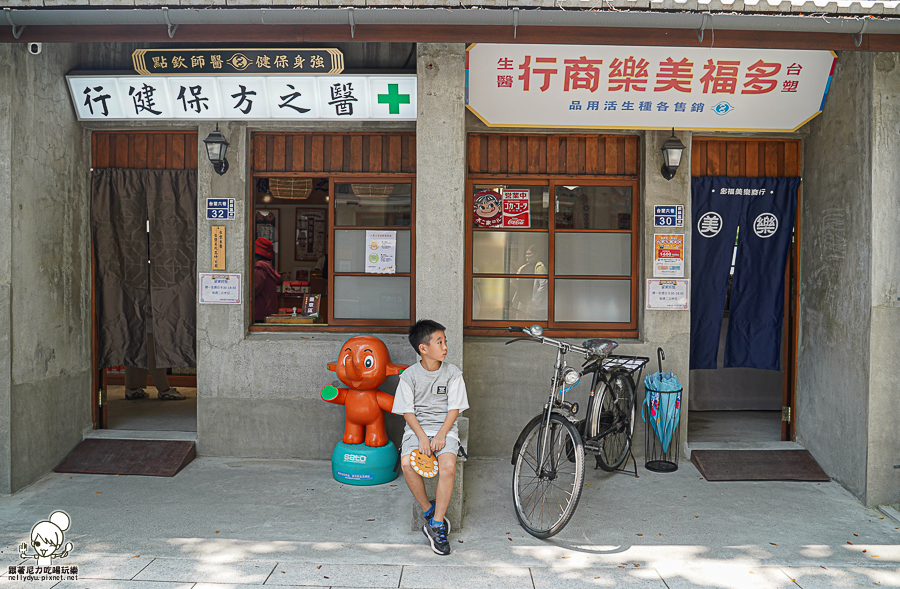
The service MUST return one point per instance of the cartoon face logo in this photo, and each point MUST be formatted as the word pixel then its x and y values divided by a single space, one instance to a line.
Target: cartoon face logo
pixel 47 539
pixel 765 225
pixel 709 224
pixel 488 211
pixel 364 363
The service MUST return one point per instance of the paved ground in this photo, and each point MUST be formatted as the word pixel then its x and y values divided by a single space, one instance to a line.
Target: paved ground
pixel 228 523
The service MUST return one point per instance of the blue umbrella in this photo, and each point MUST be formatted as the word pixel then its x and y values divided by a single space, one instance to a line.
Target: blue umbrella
pixel 664 409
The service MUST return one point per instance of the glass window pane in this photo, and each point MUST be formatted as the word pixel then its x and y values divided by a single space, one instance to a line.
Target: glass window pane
pixel 593 254
pixel 509 252
pixel 597 301
pixel 515 299
pixel 350 251
pixel 370 204
pixel 371 297
pixel 593 207
pixel 489 207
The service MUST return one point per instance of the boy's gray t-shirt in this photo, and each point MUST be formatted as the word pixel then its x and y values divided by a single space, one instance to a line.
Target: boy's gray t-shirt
pixel 430 396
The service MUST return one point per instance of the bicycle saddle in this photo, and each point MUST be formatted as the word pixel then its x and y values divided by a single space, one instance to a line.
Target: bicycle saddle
pixel 600 347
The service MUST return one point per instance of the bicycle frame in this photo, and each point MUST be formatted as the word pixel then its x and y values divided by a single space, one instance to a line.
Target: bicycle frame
pixel 556 402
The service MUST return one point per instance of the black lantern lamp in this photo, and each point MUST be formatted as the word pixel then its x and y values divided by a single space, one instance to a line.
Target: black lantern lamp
pixel 216 146
pixel 671 153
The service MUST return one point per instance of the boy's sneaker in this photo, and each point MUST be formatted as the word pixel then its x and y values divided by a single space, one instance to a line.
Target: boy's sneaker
pixel 437 535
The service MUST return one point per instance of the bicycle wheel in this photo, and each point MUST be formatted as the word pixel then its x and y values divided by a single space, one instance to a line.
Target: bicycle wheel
pixel 546 495
pixel 615 409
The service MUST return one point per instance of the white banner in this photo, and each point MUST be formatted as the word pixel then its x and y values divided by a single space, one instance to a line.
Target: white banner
pixel 620 87
pixel 381 252
pixel 383 98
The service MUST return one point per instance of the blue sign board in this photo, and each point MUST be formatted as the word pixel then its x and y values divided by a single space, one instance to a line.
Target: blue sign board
pixel 220 208
pixel 668 216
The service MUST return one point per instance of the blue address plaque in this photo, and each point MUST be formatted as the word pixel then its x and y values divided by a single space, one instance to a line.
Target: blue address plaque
pixel 668 216
pixel 220 208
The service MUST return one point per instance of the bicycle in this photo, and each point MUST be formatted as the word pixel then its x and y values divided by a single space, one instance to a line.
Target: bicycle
pixel 549 454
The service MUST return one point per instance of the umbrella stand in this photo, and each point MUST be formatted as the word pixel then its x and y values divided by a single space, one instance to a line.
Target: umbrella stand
pixel 657 458
pixel 662 437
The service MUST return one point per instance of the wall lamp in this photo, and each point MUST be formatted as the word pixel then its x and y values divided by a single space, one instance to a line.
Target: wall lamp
pixel 216 146
pixel 671 153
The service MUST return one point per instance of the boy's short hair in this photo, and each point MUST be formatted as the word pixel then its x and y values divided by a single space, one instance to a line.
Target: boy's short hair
pixel 420 333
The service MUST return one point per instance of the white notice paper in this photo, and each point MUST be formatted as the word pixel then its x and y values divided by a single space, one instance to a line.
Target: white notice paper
pixel 381 252
pixel 220 289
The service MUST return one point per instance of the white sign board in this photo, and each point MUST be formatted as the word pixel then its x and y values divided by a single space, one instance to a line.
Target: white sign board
pixel 220 289
pixel 621 87
pixel 381 252
pixel 376 97
pixel 671 295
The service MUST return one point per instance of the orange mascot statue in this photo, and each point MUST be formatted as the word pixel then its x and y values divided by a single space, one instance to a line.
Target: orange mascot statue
pixel 364 456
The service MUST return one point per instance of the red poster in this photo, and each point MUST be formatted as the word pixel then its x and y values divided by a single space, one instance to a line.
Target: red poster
pixel 516 208
pixel 487 209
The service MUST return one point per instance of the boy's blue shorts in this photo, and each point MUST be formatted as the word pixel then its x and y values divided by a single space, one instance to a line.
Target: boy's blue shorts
pixel 411 442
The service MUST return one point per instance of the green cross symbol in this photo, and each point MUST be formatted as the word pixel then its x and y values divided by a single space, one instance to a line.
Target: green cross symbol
pixel 393 99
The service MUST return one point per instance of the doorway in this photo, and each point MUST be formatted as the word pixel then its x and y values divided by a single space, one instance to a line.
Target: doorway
pixel 144 212
pixel 748 406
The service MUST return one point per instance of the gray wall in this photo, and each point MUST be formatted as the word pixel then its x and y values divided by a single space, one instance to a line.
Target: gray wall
pixel 509 384
pixel 882 479
pixel 259 393
pixel 45 334
pixel 847 412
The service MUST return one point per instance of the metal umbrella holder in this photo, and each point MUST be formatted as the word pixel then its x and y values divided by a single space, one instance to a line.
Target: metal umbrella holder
pixel 662 408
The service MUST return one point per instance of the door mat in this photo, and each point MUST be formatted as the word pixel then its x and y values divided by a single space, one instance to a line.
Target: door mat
pixel 757 465
pixel 162 458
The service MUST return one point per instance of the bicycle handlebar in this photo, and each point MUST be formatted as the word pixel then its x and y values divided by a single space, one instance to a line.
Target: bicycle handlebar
pixel 550 341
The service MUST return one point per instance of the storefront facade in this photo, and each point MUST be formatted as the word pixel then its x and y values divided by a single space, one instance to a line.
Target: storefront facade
pixel 258 386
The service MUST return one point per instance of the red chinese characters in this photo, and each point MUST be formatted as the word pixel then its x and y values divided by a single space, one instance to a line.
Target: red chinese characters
pixel 628 74
pixel 722 75
pixel 674 75
pixel 527 70
pixel 761 78
pixel 582 73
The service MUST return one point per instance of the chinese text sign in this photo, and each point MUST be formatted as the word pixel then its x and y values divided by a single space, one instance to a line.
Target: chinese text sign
pixel 624 87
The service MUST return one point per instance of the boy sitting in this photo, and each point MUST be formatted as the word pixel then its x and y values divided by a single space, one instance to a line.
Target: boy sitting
pixel 430 396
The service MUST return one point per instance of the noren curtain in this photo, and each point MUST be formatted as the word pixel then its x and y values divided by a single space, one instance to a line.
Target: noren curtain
pixel 131 292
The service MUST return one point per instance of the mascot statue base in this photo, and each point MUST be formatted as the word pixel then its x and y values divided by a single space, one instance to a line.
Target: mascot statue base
pixel 358 464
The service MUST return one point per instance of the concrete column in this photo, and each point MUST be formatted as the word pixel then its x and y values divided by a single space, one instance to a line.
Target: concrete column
pixel 221 327
pixel 6 223
pixel 832 406
pixel 883 449
pixel 440 189
pixel 670 330
pixel 45 359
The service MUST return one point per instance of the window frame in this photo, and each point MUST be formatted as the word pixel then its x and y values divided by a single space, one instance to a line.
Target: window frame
pixel 346 325
pixel 551 326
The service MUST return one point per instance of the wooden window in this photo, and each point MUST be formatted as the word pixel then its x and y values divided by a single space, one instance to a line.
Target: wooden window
pixel 570 264
pixel 359 183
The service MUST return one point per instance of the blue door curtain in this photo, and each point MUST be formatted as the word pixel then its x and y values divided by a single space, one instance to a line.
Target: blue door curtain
pixel 764 210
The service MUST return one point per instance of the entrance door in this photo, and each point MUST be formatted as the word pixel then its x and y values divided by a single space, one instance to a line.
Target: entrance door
pixel 746 404
pixel 144 215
